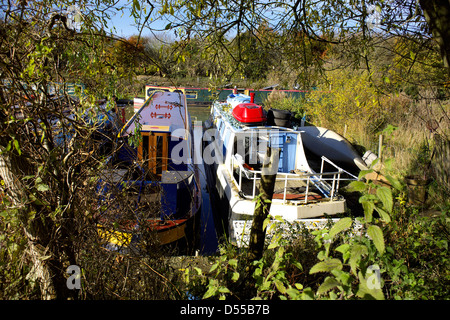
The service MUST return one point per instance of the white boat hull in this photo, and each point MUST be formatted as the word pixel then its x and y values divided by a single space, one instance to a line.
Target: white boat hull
pixel 241 210
pixel 303 196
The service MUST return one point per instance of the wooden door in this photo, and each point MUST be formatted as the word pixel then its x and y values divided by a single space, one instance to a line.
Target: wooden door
pixel 154 150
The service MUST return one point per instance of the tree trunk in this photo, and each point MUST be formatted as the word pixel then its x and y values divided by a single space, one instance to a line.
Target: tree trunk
pixel 257 232
pixel 437 14
pixel 11 173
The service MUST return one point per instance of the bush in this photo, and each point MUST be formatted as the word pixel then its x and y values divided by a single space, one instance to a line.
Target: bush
pixel 397 254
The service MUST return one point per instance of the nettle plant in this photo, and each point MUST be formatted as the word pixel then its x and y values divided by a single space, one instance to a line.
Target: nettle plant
pixel 350 252
pixel 352 249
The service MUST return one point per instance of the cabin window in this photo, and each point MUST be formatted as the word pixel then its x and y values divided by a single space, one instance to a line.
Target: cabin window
pixel 191 94
pixel 150 90
pixel 250 150
pixel 246 145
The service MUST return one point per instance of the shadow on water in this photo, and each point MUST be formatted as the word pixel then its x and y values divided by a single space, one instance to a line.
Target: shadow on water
pixel 208 235
pixel 209 239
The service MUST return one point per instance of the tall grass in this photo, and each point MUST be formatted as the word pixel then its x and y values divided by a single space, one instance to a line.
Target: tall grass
pixel 415 129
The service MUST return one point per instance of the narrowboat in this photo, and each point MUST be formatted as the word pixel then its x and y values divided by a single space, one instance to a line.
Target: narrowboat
pixel 240 132
pixel 152 179
pixel 197 97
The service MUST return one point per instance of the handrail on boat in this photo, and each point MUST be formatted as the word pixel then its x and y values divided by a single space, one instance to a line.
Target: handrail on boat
pixel 325 159
pixel 317 179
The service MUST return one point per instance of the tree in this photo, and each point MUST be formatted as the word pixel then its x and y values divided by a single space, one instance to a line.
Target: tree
pixel 437 15
pixel 48 157
pixel 48 153
pixel 357 27
pixel 128 54
pixel 262 209
pixel 355 24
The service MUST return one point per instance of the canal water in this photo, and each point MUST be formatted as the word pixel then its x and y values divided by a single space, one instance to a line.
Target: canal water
pixel 209 231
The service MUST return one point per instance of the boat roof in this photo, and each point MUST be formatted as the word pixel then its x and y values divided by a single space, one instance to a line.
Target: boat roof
pixel 227 117
pixel 162 112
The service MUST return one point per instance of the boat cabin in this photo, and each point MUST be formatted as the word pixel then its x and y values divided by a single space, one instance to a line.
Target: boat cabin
pixel 157 176
pixel 164 126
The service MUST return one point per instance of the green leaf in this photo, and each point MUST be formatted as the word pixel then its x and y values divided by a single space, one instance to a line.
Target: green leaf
pixel 224 290
pixel 327 285
pixel 42 187
pixel 233 262
pixel 342 276
pixel 340 226
pixel 385 195
pixel 266 222
pixel 265 285
pixel 326 266
pixel 394 183
pixel 343 248
pixel 235 276
pixel 322 255
pixel 211 292
pixel 199 271
pixel 212 288
pixel 16 146
pixel 375 233
pixel 280 286
pixel 297 264
pixel 357 251
pixel 368 207
pixel 294 294
pixel 367 293
pixel 299 286
pixel 8 147
pixel 307 294
pixel 136 5
pixel 214 267
pixel 363 173
pixel 357 186
pixel 384 215
pixel 273 245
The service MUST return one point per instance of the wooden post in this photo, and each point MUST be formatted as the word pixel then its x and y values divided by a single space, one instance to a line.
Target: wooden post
pixel 380 146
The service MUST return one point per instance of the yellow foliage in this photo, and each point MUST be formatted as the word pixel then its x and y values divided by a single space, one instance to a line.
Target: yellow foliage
pixel 347 96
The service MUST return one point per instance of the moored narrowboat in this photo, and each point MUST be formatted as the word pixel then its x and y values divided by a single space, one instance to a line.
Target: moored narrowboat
pixel 152 179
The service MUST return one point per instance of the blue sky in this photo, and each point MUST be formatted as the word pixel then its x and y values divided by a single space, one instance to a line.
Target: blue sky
pixel 125 24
